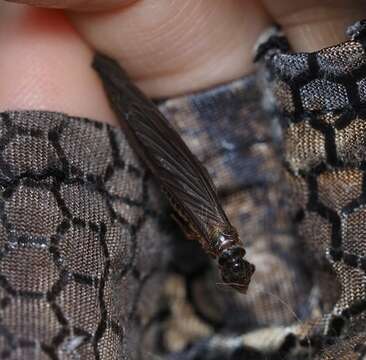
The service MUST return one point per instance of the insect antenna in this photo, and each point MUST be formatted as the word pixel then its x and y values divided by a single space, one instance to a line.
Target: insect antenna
pixel 285 304
pixel 277 297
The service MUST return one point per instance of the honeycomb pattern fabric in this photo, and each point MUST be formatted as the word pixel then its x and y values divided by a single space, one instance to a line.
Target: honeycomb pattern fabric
pixel 320 101
pixel 80 244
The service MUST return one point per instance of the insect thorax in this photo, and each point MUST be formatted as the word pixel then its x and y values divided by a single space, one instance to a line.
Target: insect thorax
pixel 224 238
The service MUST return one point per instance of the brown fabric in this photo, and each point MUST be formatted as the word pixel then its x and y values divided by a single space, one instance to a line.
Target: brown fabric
pixel 80 241
pixel 320 98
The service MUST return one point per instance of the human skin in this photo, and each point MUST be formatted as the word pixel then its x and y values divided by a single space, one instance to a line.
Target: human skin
pixel 168 47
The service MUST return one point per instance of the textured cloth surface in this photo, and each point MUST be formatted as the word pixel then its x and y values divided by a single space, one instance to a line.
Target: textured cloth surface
pixel 320 100
pixel 92 267
pixel 80 240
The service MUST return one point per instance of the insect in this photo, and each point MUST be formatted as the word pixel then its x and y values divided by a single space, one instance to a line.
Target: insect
pixel 181 176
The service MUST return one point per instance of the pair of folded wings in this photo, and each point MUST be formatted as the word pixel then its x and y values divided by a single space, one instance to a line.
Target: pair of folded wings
pixel 161 148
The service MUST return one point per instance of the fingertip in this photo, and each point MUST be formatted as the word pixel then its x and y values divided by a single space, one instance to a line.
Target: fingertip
pixel 44 65
pixel 314 24
pixel 171 48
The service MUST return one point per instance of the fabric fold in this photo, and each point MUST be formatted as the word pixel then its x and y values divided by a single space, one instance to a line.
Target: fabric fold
pixel 319 99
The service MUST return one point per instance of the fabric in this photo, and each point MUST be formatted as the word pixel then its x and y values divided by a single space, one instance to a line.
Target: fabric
pixel 80 240
pixel 320 100
pixel 93 267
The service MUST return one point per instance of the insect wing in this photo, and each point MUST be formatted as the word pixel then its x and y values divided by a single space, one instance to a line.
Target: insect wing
pixel 179 172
